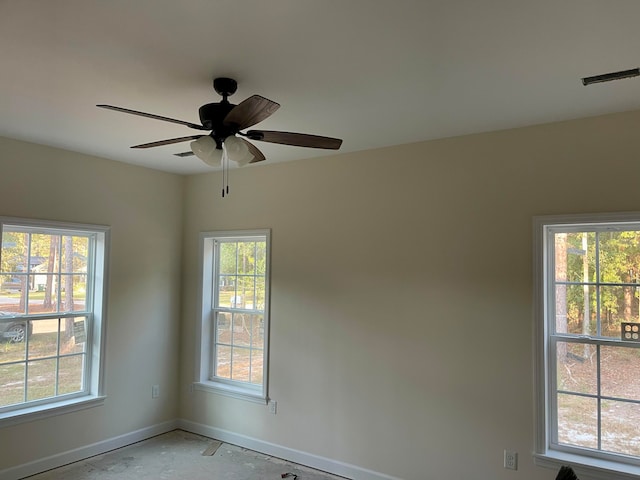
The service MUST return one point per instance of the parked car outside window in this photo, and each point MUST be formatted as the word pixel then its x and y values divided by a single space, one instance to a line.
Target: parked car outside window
pixel 12 329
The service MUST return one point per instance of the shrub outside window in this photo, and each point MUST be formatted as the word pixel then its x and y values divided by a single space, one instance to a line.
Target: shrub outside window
pixel 51 315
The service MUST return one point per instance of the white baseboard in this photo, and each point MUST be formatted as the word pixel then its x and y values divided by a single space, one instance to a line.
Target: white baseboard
pixel 64 458
pixel 292 455
pixel 289 454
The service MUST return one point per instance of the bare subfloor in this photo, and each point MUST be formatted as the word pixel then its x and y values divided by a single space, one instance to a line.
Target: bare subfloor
pixel 179 455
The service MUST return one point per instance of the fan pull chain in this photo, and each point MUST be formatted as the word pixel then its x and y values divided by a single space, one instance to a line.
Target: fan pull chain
pixel 225 172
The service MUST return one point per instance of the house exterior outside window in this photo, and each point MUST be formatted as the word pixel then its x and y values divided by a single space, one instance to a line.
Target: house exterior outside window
pixel 52 317
pixel 587 318
pixel 234 321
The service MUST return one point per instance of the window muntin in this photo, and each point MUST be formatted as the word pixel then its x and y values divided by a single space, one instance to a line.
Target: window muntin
pixel 234 337
pixel 51 300
pixel 591 284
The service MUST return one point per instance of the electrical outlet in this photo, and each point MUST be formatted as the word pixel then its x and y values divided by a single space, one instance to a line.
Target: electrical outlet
pixel 510 460
pixel 273 406
pixel 155 391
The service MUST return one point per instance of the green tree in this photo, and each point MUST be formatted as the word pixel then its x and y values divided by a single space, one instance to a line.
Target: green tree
pixel 51 263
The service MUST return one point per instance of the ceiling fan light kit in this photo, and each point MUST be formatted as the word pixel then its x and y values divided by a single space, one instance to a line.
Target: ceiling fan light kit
pixel 237 150
pixel 205 149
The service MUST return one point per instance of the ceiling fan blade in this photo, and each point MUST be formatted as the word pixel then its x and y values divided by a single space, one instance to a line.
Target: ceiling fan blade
pixel 295 139
pixel 150 115
pixel 168 142
pixel 250 111
pixel 258 156
pixel 184 154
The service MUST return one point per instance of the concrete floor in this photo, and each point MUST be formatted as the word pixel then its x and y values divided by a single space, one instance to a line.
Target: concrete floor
pixel 179 455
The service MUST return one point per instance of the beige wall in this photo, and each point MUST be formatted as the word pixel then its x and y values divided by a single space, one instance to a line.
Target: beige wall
pixel 143 208
pixel 401 301
pixel 401 291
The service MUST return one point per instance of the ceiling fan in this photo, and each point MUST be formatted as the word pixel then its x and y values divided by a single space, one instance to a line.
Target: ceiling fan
pixel 225 121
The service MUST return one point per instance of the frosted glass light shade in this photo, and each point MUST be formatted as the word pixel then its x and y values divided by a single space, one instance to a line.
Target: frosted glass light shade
pixel 237 150
pixel 205 149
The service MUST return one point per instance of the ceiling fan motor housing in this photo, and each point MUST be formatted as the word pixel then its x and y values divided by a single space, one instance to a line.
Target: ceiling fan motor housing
pixel 212 118
pixel 212 115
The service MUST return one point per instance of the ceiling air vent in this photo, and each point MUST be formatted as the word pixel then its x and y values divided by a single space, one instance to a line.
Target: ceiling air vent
pixel 608 77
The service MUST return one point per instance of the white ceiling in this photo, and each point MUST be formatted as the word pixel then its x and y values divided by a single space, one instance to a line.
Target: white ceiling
pixel 375 73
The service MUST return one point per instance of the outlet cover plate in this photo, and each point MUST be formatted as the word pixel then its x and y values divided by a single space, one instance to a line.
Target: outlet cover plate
pixel 510 460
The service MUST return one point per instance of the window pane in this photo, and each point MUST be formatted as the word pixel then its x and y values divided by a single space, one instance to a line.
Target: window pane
pixel 13 330
pixel 43 248
pixel 15 248
pixel 66 329
pixel 228 257
pixel 226 291
pixel 237 300
pixel 619 372
pixel 619 259
pixel 40 301
pixel 11 351
pixel 620 422
pixel 74 254
pixel 241 357
pixel 70 374
pixel 575 256
pixel 41 379
pixel 74 291
pixel 224 328
pixel 261 257
pixel 257 331
pixel 78 343
pixel 246 257
pixel 13 294
pixel 241 330
pixel 13 283
pixel 46 294
pixel 577 421
pixel 260 294
pixel 571 305
pixel 43 343
pixel 257 366
pixel 223 361
pixel 42 282
pixel 80 254
pixel 576 367
pixel 11 384
pixel 246 290
pixel 615 307
pixel 49 325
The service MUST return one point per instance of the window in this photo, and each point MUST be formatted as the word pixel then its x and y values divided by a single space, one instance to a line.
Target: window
pixel 52 280
pixel 588 343
pixel 235 314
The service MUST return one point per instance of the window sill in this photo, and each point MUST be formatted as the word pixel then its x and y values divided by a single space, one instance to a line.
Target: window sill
pixel 231 391
pixel 588 468
pixel 49 410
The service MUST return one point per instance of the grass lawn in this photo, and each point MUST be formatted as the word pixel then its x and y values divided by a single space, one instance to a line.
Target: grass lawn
pixel 29 368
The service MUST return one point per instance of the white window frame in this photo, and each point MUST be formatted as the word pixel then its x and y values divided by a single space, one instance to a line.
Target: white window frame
pixel 587 464
pixel 205 334
pixel 94 381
